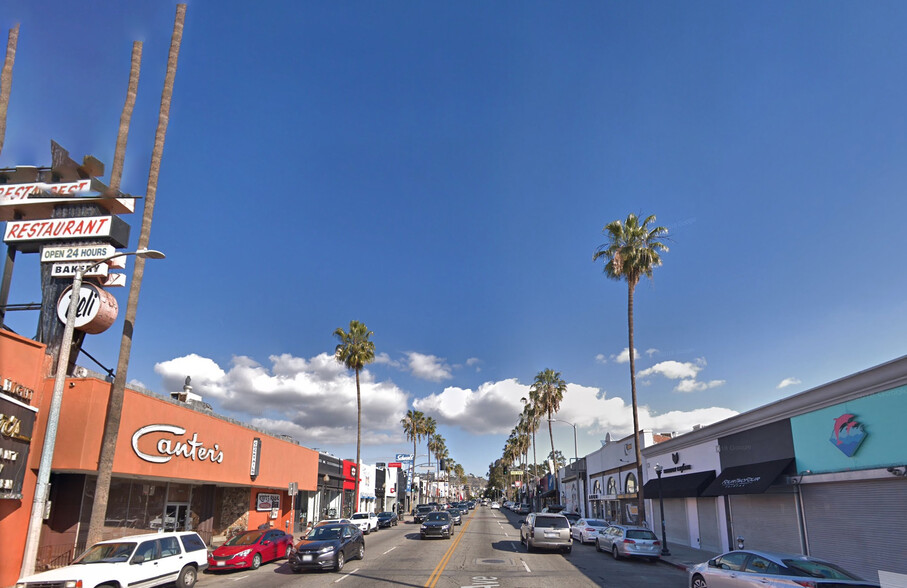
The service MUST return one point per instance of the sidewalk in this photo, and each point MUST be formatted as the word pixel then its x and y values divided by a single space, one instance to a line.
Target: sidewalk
pixel 683 557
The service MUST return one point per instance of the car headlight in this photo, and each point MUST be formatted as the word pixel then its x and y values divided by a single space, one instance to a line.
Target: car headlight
pixel 243 553
pixel 424 527
pixel 72 584
pixel 327 549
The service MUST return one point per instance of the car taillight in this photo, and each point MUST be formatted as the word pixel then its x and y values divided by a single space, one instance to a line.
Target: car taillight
pixel 589 529
pixel 656 543
pixel 629 541
pixel 806 583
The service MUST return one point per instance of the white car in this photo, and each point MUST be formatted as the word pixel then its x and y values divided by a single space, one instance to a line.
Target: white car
pixel 366 521
pixel 139 560
pixel 496 504
pixel 586 530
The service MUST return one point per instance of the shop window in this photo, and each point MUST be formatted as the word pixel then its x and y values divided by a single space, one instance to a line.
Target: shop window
pixel 179 492
pixel 612 487
pixel 630 484
pixel 147 504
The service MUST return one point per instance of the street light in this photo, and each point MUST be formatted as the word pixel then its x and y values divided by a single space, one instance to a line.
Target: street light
pixel 53 416
pixel 661 504
pixel 575 452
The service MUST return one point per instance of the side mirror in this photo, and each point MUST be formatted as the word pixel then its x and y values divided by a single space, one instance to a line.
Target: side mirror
pixel 265 542
pixel 137 559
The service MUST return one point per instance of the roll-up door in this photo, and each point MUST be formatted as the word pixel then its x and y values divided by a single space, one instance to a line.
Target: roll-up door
pixel 858 525
pixel 766 521
pixel 677 527
pixel 709 530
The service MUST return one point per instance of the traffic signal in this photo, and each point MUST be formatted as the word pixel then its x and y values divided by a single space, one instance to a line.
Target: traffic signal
pixel 443 464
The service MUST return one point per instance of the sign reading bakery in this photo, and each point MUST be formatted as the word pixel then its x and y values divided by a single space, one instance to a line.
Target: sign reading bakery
pixel 163 443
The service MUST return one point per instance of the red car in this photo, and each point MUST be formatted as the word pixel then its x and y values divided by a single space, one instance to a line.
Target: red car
pixel 250 549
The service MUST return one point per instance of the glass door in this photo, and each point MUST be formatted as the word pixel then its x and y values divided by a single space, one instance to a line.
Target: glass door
pixel 176 515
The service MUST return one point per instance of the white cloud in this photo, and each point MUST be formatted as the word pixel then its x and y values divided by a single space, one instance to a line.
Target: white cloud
pixel 474 362
pixel 788 382
pixel 695 386
pixel 651 352
pixel 493 408
pixel 385 359
pixel 600 358
pixel 624 356
pixel 313 400
pixel 673 370
pixel 428 367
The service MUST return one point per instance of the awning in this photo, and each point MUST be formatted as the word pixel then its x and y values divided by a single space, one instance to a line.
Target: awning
pixel 548 494
pixel 682 486
pixel 754 478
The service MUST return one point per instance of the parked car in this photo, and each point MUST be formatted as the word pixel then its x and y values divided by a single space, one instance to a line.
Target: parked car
pixel 771 570
pixel 333 522
pixel 495 504
pixel 421 512
pixel 546 530
pixel 437 524
pixel 587 529
pixel 456 515
pixel 147 560
pixel 571 516
pixel 366 521
pixel 523 509
pixel 387 519
pixel 251 549
pixel 328 547
pixel 626 541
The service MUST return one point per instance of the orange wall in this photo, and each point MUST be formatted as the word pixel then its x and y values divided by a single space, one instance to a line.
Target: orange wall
pixel 21 360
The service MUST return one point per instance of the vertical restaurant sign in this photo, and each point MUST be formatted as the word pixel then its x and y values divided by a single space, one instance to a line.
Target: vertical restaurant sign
pixel 17 422
pixel 256 458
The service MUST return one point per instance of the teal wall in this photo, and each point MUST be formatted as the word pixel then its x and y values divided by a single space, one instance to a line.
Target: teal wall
pixel 883 417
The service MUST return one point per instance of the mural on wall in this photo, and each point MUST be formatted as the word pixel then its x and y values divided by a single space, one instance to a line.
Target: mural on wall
pixel 847 434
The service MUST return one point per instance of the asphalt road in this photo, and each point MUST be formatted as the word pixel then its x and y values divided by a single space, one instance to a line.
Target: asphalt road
pixel 484 551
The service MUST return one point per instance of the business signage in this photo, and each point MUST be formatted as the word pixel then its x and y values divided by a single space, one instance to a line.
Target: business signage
pixel 112 228
pixel 77 253
pixel 266 502
pixel 166 449
pixel 847 434
pixel 17 422
pixel 256 458
pixel 68 270
pixel 395 464
pixel 403 457
pixel 96 311
pixel 13 192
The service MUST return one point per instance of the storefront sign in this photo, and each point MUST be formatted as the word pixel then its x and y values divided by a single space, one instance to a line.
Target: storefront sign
pixel 58 228
pixel 77 253
pixel 256 458
pixel 167 449
pixel 395 464
pixel 403 457
pixel 68 270
pixel 17 423
pixel 847 434
pixel 265 502
pixel 12 192
pixel 16 390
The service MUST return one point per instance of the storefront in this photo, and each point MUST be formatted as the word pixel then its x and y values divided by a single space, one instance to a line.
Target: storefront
pixel 573 483
pixel 349 488
pixel 612 477
pixel 367 497
pixel 852 479
pixel 325 501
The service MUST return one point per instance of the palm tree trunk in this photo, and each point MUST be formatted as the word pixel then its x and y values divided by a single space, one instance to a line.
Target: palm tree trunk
pixel 557 482
pixel 640 499
pixel 115 405
pixel 358 439
pixel 6 80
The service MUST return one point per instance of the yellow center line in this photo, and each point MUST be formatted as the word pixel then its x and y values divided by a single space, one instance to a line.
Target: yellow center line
pixel 439 569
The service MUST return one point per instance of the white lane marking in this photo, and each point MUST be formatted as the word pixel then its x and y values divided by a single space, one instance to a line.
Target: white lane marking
pixel 525 566
pixel 239 578
pixel 346 575
pixel 389 550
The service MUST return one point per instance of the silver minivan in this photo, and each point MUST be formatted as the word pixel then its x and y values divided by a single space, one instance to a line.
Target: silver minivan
pixel 546 531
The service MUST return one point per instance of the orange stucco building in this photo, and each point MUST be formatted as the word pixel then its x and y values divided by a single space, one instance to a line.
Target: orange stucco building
pixel 176 466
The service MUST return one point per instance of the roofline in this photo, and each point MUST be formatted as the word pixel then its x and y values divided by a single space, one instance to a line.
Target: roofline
pixel 861 384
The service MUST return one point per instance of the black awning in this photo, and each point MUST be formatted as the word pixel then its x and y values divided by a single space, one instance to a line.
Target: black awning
pixel 682 486
pixel 754 478
pixel 548 494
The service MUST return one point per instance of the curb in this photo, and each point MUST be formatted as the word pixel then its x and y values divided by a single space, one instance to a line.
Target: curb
pixel 676 564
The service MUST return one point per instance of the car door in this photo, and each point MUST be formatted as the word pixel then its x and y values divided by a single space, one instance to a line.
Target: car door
pixel 171 559
pixel 607 538
pixel 727 571
pixel 762 573
pixel 576 529
pixel 269 545
pixel 147 572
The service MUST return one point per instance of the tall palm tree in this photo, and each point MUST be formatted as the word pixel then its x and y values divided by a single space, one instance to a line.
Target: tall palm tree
pixel 549 389
pixel 412 427
pixel 631 253
pixel 355 351
pixel 6 81
pixel 532 416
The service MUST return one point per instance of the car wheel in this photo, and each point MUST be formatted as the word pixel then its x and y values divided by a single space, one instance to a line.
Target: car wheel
pixel 256 561
pixel 295 570
pixel 338 565
pixel 598 546
pixel 568 549
pixel 698 582
pixel 286 554
pixel 187 578
pixel 614 552
pixel 360 554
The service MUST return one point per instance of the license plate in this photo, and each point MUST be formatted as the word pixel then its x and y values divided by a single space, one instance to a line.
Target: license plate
pixel 306 558
pixel 220 563
pixel 551 534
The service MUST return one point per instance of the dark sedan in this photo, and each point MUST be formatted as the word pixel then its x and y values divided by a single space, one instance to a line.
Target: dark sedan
pixel 437 524
pixel 387 519
pixel 328 547
pixel 456 515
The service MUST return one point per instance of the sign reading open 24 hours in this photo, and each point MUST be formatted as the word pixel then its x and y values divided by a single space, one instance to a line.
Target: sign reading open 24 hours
pixel 96 311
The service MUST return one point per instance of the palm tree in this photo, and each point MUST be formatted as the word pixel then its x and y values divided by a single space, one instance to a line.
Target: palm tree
pixel 355 351
pixel 412 427
pixel 549 389
pixel 532 416
pixel 632 251
pixel 429 428
pixel 6 81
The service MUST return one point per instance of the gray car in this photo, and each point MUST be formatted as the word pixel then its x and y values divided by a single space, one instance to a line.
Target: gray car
pixel 626 541
pixel 546 531
pixel 746 568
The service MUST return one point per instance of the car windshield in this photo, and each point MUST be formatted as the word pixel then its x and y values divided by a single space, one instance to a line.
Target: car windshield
pixel 385 515
pixel 423 509
pixel 107 553
pixel 248 538
pixel 596 523
pixel 360 515
pixel 644 534
pixel 438 516
pixel 817 569
pixel 324 533
pixel 552 522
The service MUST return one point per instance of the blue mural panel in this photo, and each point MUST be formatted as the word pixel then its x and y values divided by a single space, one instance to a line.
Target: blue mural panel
pixel 858 434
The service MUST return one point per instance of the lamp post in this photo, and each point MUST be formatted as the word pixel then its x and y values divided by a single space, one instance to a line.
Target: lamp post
pixel 661 504
pixel 53 416
pixel 575 452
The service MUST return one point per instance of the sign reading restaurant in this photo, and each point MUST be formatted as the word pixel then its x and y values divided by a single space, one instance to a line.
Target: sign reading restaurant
pixel 58 228
pixel 22 191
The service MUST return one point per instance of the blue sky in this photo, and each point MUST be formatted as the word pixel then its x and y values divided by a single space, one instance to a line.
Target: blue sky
pixel 443 171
